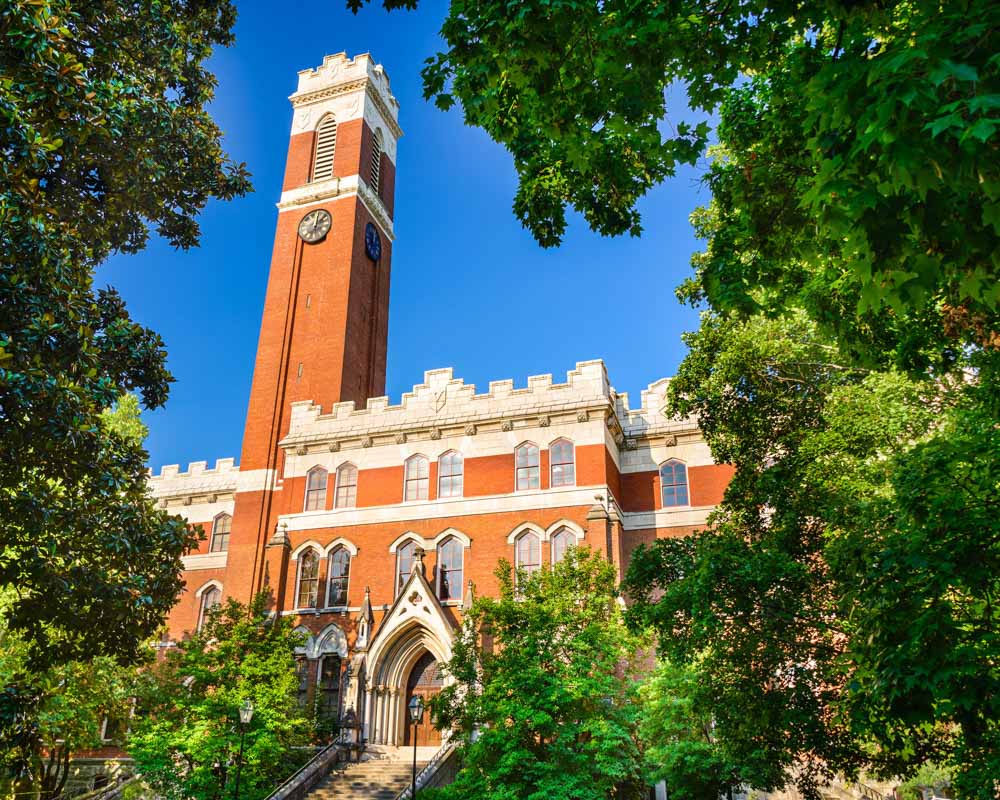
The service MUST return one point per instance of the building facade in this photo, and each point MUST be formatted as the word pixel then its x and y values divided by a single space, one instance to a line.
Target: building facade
pixel 374 524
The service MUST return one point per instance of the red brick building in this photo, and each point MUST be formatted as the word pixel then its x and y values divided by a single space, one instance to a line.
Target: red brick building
pixel 372 522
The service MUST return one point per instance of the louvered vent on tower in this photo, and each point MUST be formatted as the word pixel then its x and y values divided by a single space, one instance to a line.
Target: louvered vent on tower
pixel 376 160
pixel 326 143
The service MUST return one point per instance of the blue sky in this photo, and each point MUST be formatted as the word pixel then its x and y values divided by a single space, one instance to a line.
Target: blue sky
pixel 470 288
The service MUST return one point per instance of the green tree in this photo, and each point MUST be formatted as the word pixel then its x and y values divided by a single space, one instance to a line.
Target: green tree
pixel 543 704
pixel 866 131
pixel 677 730
pixel 185 737
pixel 840 610
pixel 104 135
pixel 74 702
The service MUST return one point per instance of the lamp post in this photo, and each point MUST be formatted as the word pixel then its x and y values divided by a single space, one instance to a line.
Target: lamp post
pixel 416 706
pixel 246 714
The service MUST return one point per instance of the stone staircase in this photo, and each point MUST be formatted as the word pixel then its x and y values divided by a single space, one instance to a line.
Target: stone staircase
pixel 381 776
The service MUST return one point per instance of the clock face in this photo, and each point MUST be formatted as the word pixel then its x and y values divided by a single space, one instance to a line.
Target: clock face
pixel 373 245
pixel 315 225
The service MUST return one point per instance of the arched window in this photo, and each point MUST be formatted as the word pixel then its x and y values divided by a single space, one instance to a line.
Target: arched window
pixel 376 162
pixel 562 469
pixel 326 143
pixel 302 673
pixel 210 598
pixel 221 527
pixel 307 586
pixel 449 568
pixel 346 495
pixel 674 483
pixel 561 540
pixel 450 468
pixel 529 553
pixel 526 466
pixel 339 572
pixel 316 489
pixel 329 686
pixel 404 562
pixel 417 475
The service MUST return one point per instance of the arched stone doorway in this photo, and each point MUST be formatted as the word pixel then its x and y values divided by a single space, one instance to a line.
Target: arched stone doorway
pixel 425 680
pixel 394 675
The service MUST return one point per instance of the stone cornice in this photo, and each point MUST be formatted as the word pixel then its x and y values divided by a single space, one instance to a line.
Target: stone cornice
pixel 333 188
pixel 308 98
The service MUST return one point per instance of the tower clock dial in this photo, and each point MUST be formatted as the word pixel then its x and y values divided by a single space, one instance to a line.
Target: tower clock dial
pixel 373 245
pixel 315 226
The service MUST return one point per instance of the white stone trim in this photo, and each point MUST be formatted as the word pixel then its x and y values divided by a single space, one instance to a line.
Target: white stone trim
pixel 524 527
pixel 666 517
pixel 307 545
pixel 332 189
pixel 527 500
pixel 403 538
pixel 205 561
pixel 340 541
pixel 214 583
pixel 337 635
pixel 453 532
pixel 577 531
pixel 429 544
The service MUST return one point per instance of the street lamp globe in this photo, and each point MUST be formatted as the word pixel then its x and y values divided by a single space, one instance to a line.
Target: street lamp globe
pixel 416 707
pixel 246 712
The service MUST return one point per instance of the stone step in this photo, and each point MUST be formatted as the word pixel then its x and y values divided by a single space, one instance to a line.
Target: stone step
pixel 375 779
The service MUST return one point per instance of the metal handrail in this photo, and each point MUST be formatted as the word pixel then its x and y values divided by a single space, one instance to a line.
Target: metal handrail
pixel 443 752
pixel 310 764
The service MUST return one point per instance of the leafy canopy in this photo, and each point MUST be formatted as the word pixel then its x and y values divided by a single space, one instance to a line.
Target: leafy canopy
pixel 839 612
pixel 104 136
pixel 73 701
pixel 543 705
pixel 186 736
pixel 861 135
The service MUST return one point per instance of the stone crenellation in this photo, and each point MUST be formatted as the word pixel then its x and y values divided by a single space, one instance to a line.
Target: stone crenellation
pixel 198 479
pixel 442 401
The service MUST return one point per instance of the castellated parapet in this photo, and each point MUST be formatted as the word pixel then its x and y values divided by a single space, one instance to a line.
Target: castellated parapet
pixel 223 478
pixel 340 74
pixel 443 401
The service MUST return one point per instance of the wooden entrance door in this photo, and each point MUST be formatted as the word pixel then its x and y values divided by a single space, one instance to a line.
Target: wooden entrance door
pixel 424 680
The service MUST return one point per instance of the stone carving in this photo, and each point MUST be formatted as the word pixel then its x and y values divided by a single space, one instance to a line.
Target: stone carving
pixel 301 450
pixel 670 441
pixel 334 447
pixel 414 598
pixel 213 498
pixel 544 422
pixel 367 441
pixel 435 433
pixel 631 444
pixel 400 438
pixel 583 416
pixel 507 426
pixel 470 430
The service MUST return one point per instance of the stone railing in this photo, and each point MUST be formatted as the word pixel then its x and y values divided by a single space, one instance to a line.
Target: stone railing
pixel 439 771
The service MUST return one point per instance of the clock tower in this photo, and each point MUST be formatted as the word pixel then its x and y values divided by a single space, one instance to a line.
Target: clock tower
pixel 324 329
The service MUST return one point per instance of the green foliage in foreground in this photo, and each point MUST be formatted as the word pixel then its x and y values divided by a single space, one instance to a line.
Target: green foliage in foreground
pixel 543 705
pixel 186 736
pixel 73 701
pixel 104 135
pixel 842 611
pixel 681 747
